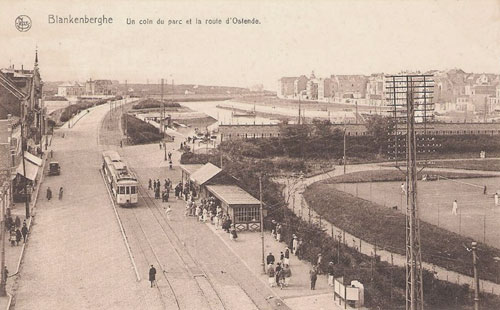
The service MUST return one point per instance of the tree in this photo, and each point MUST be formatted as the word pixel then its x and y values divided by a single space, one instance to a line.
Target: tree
pixel 379 127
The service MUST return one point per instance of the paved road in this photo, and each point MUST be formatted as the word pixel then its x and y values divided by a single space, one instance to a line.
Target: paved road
pixel 76 257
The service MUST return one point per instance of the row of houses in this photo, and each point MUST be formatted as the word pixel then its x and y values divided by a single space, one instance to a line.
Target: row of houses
pixel 367 90
pixel 454 90
pixel 22 119
pixel 90 88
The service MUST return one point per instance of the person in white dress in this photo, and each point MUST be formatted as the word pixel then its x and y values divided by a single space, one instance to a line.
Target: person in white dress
pixel 454 209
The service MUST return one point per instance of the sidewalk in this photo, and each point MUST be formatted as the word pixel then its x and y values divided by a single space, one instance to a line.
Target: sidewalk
pixel 298 294
pixel 14 253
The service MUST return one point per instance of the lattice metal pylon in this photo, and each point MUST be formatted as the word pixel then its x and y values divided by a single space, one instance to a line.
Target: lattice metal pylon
pixel 409 96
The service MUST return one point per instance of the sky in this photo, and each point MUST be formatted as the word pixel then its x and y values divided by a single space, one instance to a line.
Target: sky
pixel 293 38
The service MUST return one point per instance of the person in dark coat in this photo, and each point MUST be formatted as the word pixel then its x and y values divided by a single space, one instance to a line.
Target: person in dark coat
pixel 49 193
pixel 313 274
pixel 150 184
pixel 18 222
pixel 18 236
pixel 24 231
pixel 152 275
pixel 270 258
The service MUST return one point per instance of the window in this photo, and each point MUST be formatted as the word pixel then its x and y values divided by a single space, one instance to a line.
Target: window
pixel 121 189
pixel 132 189
pixel 246 214
pixel 127 190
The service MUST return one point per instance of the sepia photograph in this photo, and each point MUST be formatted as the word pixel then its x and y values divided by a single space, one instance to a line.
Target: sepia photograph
pixel 250 155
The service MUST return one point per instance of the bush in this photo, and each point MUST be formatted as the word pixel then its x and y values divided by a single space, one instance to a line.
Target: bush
pixel 153 103
pixel 140 132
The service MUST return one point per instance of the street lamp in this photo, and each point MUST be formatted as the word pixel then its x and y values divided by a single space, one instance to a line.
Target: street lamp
pixel 345 158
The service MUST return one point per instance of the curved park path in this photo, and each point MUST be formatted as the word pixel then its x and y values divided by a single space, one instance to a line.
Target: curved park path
pixel 299 206
pixel 75 258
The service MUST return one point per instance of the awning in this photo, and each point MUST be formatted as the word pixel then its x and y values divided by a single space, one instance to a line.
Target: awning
pixel 31 170
pixel 33 159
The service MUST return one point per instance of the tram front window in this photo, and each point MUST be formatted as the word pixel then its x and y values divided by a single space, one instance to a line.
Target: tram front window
pixel 127 190
pixel 132 189
pixel 121 190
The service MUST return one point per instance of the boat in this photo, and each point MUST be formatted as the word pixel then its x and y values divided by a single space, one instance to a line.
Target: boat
pixel 243 114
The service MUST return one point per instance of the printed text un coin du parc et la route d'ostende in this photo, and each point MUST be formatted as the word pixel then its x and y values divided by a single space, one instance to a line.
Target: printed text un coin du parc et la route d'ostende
pixel 101 20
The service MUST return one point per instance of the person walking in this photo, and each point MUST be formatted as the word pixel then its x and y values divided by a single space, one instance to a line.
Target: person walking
pixel 313 275
pixel 277 274
pixel 270 274
pixel 286 260
pixel 60 193
pixel 278 232
pixel 295 244
pixel 169 156
pixel 17 222
pixel 287 272
pixel 282 258
pixel 152 275
pixel 168 212
pixel 496 199
pixel 454 209
pixel 24 231
pixel 49 193
pixel 233 234
pixel 19 236
pixel 330 271
pixel 150 184
pixel 318 263
pixel 270 259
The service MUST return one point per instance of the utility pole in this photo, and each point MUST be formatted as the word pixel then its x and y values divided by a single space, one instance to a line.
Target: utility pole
pixel 345 157
pixel 476 276
pixel 261 224
pixel 162 130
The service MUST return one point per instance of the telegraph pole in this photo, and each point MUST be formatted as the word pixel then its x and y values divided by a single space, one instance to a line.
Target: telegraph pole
pixel 345 158
pixel 476 276
pixel 261 224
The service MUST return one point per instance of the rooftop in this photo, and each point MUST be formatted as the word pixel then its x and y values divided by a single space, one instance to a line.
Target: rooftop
pixel 232 195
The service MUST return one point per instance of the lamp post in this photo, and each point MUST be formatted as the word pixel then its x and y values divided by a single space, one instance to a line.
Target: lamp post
pixel 476 276
pixel 345 158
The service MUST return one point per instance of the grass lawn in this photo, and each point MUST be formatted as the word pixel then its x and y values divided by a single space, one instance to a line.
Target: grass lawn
pixel 386 227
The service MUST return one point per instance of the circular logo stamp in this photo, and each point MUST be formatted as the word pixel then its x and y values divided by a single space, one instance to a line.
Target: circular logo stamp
pixel 23 23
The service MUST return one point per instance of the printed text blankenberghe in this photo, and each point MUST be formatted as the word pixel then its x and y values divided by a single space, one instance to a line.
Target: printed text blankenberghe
pixel 69 19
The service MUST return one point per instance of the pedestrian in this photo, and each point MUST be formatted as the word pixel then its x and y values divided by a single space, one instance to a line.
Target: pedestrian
pixel 169 156
pixel 282 257
pixel 286 260
pixel 170 164
pixel 287 274
pixel 160 145
pixel 295 244
pixel 454 209
pixel 318 263
pixel 24 231
pixel 278 232
pixel 12 237
pixel 19 236
pixel 165 184
pixel 17 222
pixel 282 277
pixel 484 190
pixel 9 223
pixel 277 273
pixel 232 233
pixel 313 275
pixel 150 184
pixel 60 193
pixel 496 199
pixel 330 271
pixel 270 274
pixel 270 259
pixel 168 211
pixel 49 193
pixel 205 215
pixel 273 228
pixel 152 275
pixel 403 188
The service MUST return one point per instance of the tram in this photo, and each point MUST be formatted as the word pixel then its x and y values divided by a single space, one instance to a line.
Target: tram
pixel 120 179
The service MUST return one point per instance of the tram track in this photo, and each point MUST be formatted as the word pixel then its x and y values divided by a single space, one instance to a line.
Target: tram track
pixel 195 270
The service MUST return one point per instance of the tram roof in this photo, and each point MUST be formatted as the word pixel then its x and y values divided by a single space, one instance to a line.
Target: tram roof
pixel 113 155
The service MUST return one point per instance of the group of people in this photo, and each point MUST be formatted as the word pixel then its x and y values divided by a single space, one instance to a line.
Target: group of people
pixel 16 232
pixel 49 193
pixel 155 186
pixel 279 275
pixel 186 191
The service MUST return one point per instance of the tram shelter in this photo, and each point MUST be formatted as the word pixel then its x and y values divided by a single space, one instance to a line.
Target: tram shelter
pixel 243 208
